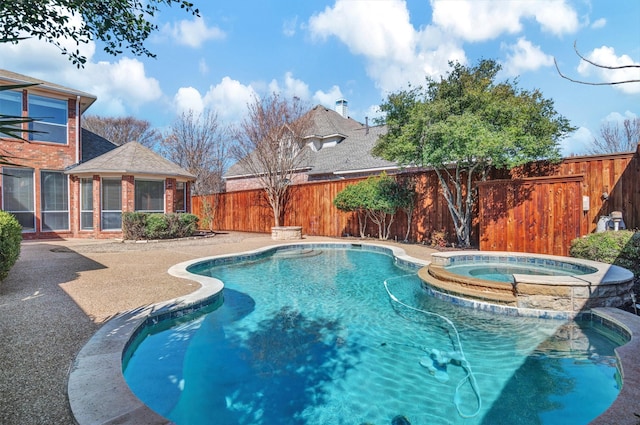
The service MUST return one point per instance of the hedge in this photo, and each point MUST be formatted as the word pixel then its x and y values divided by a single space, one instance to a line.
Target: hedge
pixel 140 225
pixel 621 248
pixel 10 238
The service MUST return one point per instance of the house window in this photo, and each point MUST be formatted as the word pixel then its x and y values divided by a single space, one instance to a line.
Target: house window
pixel 111 214
pixel 11 105
pixel 150 196
pixel 18 196
pixel 181 197
pixel 86 204
pixel 51 116
pixel 54 195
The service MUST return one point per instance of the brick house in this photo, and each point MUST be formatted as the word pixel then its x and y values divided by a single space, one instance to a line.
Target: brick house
pixel 338 147
pixel 64 181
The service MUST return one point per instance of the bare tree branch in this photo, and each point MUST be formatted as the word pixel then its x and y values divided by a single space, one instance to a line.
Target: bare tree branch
pixel 617 137
pixel 575 47
pixel 271 146
pixel 122 130
pixel 198 143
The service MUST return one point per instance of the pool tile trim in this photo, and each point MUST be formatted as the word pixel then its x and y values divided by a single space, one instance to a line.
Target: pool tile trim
pixel 99 395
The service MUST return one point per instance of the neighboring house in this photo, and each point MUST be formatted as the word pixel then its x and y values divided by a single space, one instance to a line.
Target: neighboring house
pixel 338 147
pixel 66 182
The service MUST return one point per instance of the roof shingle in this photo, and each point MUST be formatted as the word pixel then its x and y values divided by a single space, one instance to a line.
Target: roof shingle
pixel 131 158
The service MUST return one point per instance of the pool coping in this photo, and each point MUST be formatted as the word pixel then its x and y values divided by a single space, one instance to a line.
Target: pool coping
pixel 605 274
pixel 99 395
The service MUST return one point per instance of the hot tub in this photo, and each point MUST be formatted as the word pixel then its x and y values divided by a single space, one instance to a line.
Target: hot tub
pixel 526 284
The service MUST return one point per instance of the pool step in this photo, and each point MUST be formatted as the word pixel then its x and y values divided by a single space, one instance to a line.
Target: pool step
pixel 437 277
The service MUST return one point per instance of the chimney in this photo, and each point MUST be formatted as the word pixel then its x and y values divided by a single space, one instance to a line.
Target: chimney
pixel 342 108
pixel 366 123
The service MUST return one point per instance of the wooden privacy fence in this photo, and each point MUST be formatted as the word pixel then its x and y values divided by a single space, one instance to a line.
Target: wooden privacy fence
pixel 311 206
pixel 539 208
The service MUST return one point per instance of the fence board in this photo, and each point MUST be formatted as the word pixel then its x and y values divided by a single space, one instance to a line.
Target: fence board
pixel 537 208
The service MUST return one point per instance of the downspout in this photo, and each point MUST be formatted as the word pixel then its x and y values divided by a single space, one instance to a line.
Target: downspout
pixel 75 228
pixel 78 129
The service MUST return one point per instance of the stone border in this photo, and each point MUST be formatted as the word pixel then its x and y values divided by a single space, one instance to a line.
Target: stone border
pixel 607 286
pixel 99 395
pixel 286 233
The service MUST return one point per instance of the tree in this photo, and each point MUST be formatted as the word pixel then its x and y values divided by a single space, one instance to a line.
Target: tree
pixel 270 145
pixel 122 130
pixel 119 24
pixel 377 198
pixel 352 199
pixel 406 198
pixel 463 125
pixel 198 143
pixel 617 137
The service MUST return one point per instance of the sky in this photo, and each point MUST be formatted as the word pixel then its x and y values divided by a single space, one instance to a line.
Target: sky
pixel 358 50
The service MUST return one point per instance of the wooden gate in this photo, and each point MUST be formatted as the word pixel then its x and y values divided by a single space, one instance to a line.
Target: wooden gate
pixel 539 215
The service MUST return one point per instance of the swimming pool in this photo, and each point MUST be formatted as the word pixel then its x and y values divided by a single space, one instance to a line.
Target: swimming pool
pixel 310 335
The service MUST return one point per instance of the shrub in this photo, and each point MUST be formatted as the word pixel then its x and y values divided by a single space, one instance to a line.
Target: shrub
pixel 139 225
pixel 157 227
pixel 10 238
pixel 621 248
pixel 134 225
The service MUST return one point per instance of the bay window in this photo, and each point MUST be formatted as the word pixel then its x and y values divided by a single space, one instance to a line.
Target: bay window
pixel 150 196
pixel 111 214
pixel 86 204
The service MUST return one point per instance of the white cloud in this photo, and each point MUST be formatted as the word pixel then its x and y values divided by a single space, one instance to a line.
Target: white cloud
pixel 606 56
pixel 395 52
pixel 121 87
pixel 192 33
pixel 292 87
pixel 618 117
pixel 289 26
pixel 524 56
pixel 203 67
pixel 378 29
pixel 229 99
pixel 474 20
pixel 578 143
pixel 328 98
pixel 599 23
pixel 188 99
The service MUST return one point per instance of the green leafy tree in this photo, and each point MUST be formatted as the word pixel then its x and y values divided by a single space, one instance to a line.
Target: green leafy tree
pixel 406 198
pixel 464 124
pixel 377 198
pixel 119 24
pixel 381 204
pixel 351 199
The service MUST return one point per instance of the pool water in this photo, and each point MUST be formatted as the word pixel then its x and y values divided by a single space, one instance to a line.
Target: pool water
pixel 315 339
pixel 504 272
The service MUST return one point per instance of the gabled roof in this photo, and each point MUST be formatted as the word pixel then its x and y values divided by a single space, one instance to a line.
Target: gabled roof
pixel 133 159
pixel 86 99
pixel 94 145
pixel 327 123
pixel 352 153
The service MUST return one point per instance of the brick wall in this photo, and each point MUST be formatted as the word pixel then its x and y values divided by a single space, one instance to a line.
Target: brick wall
pixel 45 156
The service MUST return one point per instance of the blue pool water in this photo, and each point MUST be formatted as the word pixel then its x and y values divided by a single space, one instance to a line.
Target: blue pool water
pixel 312 337
pixel 501 268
